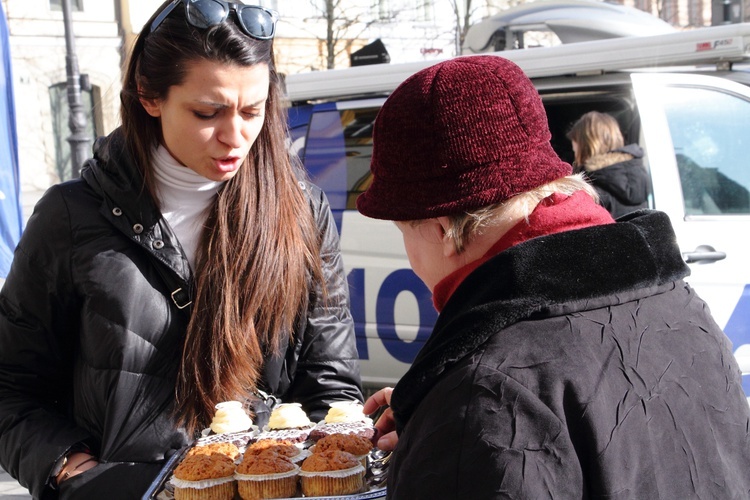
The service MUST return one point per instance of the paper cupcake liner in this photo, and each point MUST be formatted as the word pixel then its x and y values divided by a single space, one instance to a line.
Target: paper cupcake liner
pixel 200 485
pixel 222 491
pixel 360 428
pixel 266 477
pixel 300 457
pixel 279 485
pixel 338 482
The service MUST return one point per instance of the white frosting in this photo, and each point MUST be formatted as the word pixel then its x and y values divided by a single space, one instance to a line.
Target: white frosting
pixel 288 416
pixel 346 412
pixel 230 417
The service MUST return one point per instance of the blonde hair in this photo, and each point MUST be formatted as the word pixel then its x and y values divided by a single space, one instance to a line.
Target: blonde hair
pixel 465 226
pixel 595 133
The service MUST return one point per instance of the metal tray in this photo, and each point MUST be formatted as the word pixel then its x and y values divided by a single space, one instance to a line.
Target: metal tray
pixel 375 477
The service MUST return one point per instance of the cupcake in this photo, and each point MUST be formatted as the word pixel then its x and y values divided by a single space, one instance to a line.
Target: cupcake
pixel 266 474
pixel 230 424
pixel 358 446
pixel 284 448
pixel 331 472
pixel 238 439
pixel 204 477
pixel 224 448
pixel 288 422
pixel 344 417
pixel 230 417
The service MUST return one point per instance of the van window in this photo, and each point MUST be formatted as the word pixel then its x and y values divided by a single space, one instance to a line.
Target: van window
pixel 341 139
pixel 710 135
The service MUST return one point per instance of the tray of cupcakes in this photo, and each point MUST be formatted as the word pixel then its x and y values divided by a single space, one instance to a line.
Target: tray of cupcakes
pixel 290 457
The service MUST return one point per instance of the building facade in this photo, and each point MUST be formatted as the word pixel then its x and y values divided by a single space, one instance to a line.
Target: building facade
pixel 312 35
pixel 38 53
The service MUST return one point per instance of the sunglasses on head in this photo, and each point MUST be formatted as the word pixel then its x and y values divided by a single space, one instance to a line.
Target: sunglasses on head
pixel 255 21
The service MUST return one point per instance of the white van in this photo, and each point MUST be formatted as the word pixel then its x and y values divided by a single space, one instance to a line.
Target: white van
pixel 684 97
pixel 552 22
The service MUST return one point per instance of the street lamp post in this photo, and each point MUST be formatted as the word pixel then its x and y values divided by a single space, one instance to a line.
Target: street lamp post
pixel 78 139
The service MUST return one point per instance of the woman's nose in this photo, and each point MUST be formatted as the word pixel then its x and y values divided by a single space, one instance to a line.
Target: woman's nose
pixel 230 131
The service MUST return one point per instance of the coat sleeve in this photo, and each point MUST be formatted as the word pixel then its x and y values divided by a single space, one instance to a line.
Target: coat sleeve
pixel 37 318
pixel 327 367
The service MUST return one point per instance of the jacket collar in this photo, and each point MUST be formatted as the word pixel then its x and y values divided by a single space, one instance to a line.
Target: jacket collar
pixel 619 155
pixel 554 214
pixel 113 173
pixel 127 204
pixel 538 276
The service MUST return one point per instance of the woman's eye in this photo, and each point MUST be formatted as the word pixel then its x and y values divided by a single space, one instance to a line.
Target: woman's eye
pixel 252 113
pixel 204 116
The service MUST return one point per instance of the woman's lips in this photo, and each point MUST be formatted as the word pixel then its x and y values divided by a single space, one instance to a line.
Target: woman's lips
pixel 229 164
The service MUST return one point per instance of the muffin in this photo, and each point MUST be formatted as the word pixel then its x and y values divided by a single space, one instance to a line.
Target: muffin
pixel 284 448
pixel 358 446
pixel 331 472
pixel 222 448
pixel 288 422
pixel 266 474
pixel 204 477
pixel 344 417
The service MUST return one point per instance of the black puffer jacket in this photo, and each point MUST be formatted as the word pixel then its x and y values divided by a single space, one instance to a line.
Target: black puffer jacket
pixel 90 340
pixel 575 366
pixel 620 179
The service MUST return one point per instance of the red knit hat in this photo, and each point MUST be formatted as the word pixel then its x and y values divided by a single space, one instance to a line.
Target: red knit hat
pixel 460 135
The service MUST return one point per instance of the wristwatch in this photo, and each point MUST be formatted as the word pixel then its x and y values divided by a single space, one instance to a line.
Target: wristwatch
pixel 63 461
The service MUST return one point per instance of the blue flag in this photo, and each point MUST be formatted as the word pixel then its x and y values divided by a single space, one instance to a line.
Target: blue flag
pixel 11 216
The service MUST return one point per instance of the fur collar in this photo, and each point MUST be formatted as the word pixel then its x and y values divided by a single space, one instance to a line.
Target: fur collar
pixel 599 162
pixel 547 273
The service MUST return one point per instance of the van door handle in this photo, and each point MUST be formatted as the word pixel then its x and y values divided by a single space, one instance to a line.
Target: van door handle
pixel 703 255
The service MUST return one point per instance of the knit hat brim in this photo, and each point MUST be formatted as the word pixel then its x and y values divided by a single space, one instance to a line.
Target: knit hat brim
pixel 460 135
pixel 481 187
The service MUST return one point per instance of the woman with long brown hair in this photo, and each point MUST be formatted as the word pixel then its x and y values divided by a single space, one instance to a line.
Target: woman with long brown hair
pixel 192 263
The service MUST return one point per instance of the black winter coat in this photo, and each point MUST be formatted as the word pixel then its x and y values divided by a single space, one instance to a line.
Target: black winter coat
pixel 575 366
pixel 620 179
pixel 90 340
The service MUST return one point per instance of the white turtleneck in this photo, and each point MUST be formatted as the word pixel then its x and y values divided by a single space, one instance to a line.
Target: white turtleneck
pixel 184 197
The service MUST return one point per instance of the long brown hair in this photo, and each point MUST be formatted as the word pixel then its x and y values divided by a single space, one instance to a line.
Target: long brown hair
pixel 258 259
pixel 595 133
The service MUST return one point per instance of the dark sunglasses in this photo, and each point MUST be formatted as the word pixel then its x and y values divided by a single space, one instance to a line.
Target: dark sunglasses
pixel 255 21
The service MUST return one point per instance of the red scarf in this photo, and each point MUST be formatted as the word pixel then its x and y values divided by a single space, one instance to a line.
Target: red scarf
pixel 554 214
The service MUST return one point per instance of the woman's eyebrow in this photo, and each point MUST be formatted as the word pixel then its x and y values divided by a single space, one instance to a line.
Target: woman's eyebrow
pixel 218 105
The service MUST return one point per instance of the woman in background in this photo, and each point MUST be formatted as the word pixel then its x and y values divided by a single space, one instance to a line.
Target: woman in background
pixel 191 264
pixel 616 171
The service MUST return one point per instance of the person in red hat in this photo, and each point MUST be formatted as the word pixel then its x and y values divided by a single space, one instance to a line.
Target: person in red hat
pixel 569 359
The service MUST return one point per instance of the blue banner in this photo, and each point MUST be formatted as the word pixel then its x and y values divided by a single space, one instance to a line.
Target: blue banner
pixel 11 216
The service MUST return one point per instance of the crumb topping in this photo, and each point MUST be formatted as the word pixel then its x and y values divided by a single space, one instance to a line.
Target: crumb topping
pixel 285 448
pixel 265 462
pixel 226 448
pixel 329 460
pixel 356 445
pixel 199 467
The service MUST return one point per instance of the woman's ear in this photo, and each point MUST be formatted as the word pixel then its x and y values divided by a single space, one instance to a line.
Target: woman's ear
pixel 449 246
pixel 152 107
